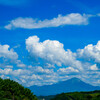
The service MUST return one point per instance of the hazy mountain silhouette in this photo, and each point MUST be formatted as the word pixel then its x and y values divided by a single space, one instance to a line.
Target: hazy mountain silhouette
pixel 70 85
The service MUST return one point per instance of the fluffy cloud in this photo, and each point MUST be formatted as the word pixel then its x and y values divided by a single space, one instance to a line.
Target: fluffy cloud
pixel 6 53
pixel 90 52
pixel 33 76
pixel 52 52
pixel 9 56
pixel 54 63
pixel 31 23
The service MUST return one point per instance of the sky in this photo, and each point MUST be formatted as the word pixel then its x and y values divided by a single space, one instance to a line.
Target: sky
pixel 43 42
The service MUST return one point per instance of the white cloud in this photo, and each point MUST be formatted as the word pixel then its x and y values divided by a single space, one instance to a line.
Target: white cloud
pixel 58 64
pixel 94 67
pixel 43 79
pixel 52 52
pixel 39 69
pixel 67 70
pixel 21 65
pixel 9 56
pixel 98 14
pixel 18 72
pixel 31 23
pixel 90 52
pixel 48 65
pixel 9 66
pixel 6 53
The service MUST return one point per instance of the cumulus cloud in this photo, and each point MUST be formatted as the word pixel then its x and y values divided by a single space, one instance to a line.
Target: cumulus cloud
pixel 72 64
pixel 36 79
pixel 90 52
pixel 54 63
pixel 31 23
pixel 28 77
pixel 6 53
pixel 9 56
pixel 52 52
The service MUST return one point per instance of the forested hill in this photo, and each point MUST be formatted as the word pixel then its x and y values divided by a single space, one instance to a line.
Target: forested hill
pixel 11 90
pixel 93 95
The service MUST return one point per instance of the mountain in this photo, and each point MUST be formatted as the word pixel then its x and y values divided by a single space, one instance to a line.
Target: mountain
pixel 70 85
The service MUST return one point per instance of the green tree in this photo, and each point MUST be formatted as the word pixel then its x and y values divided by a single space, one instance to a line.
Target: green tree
pixel 12 90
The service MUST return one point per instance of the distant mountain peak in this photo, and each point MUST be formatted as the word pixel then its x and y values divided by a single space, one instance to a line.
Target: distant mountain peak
pixel 72 80
pixel 75 79
pixel 70 85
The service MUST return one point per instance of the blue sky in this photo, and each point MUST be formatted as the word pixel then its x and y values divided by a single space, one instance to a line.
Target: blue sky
pixel 44 42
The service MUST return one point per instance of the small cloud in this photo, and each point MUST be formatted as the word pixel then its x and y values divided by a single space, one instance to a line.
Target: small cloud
pixel 9 66
pixel 94 67
pixel 90 52
pixel 6 53
pixel 17 46
pixel 48 65
pixel 98 14
pixel 67 70
pixel 21 65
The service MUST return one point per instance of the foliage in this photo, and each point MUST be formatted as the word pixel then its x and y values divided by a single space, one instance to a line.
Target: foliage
pixel 94 95
pixel 11 90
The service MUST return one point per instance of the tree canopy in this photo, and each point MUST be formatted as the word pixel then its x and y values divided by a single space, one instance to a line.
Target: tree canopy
pixel 11 90
pixel 93 95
